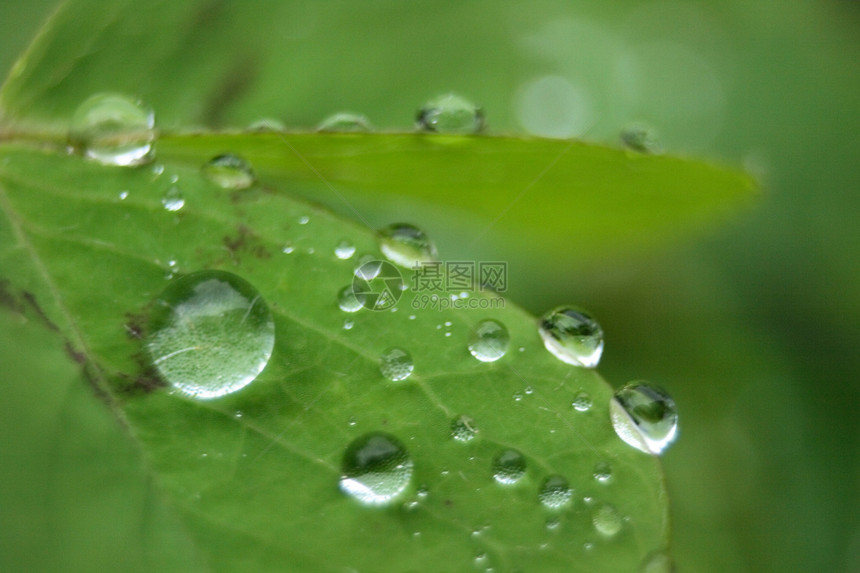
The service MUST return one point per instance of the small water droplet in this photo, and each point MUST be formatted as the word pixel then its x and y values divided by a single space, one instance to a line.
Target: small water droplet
pixel 347 301
pixel 606 519
pixel 123 195
pixel 229 171
pixel 657 562
pixel 463 429
pixel 157 169
pixel 288 248
pixel 304 220
pixel 529 390
pixel 267 124
pixel 603 472
pixel 376 469
pixel 641 137
pixel 411 317
pixel 518 397
pixel 555 492
pixel 238 414
pixel 344 250
pixel 173 199
pixel 581 402
pixel 553 523
pixel 572 336
pixel 396 364
pixel 509 467
pixel 113 129
pixel 348 324
pixel 345 122
pixel 212 334
pixel 644 416
pixel 490 341
pixel 406 245
pixel 450 113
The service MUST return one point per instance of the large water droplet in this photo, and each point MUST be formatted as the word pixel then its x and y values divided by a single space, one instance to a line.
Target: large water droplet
pixel 396 364
pixel 173 199
pixel 555 492
pixel 347 301
pixel 345 122
pixel 229 171
pixel 450 113
pixel 606 519
pixel 344 250
pixel 113 129
pixel 644 416
pixel 573 336
pixel 509 467
pixel 210 334
pixel 463 429
pixel 490 341
pixel 376 469
pixel 640 137
pixel 406 245
pixel 581 402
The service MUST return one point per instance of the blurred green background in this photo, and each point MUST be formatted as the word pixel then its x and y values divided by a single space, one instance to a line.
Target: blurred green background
pixel 753 326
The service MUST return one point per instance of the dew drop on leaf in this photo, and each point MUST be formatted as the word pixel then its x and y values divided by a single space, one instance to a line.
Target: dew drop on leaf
pixel 376 469
pixel 344 250
pixel 490 341
pixel 555 492
pixel 396 364
pixel 347 301
pixel 229 171
pixel 113 129
pixel 509 467
pixel 265 124
pixel 644 416
pixel 450 113
pixel 463 429
pixel 606 520
pixel 581 402
pixel 602 472
pixel 406 245
pixel 345 122
pixel 211 334
pixel 573 336
pixel 640 137
pixel 173 200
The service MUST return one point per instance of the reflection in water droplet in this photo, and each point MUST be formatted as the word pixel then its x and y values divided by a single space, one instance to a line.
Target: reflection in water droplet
pixel 490 341
pixel 657 562
pixel 344 250
pixel 509 467
pixel 463 429
pixel 603 472
pixel 267 124
pixel 644 416
pixel 572 336
pixel 173 199
pixel 406 245
pixel 450 113
pixel 229 171
pixel 347 300
pixel 606 519
pixel 113 129
pixel 211 334
pixel 376 469
pixel 581 402
pixel 396 364
pixel 345 122
pixel 555 492
pixel 640 137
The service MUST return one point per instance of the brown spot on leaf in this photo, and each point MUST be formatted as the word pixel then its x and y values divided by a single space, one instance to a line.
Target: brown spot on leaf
pixel 30 299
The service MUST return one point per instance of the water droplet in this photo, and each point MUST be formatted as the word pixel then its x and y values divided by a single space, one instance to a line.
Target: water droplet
pixel 173 199
pixel 490 341
pixel 644 416
pixel 123 195
pixel 348 324
pixel 553 523
pixel 581 402
pixel 345 122
pixel 288 248
pixel 304 220
pixel 406 245
pixel 211 334
pixel 229 171
pixel 572 336
pixel 603 472
pixel 347 300
pixel 450 113
pixel 606 519
pixel 267 124
pixel 396 364
pixel 376 469
pixel 113 129
pixel 463 429
pixel 344 250
pixel 640 137
pixel 529 390
pixel 657 562
pixel 509 467
pixel 555 492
